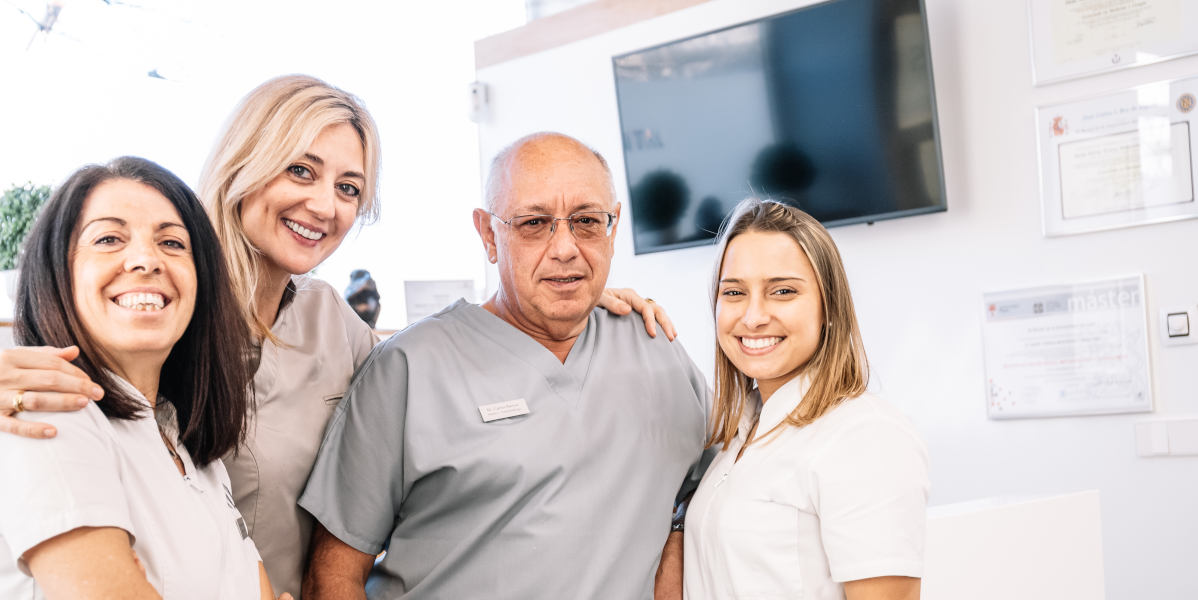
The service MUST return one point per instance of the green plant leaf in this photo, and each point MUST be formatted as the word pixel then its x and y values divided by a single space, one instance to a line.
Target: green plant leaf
pixel 19 208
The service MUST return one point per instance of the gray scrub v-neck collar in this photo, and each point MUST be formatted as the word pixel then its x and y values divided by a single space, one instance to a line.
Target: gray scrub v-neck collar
pixel 565 378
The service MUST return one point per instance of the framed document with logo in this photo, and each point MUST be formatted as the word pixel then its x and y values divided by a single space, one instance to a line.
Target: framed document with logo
pixel 1074 349
pixel 1074 38
pixel 1120 159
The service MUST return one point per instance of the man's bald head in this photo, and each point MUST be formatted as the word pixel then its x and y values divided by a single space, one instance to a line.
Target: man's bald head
pixel 535 150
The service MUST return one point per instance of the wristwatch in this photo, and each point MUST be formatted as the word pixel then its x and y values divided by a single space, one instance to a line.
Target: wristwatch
pixel 678 523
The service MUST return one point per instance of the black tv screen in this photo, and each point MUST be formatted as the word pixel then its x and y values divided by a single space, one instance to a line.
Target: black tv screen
pixel 829 107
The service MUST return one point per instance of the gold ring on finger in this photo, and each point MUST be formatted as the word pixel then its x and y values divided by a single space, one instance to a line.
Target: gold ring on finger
pixel 649 300
pixel 18 402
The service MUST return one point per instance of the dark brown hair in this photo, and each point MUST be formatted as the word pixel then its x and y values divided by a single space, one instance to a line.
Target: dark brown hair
pixel 205 376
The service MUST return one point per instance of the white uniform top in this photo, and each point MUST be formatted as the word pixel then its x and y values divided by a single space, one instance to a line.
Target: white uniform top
pixel 111 473
pixel 809 508
pixel 296 389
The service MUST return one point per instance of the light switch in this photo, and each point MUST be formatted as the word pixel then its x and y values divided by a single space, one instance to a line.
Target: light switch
pixel 1173 436
pixel 1178 324
pixel 1152 438
pixel 1158 437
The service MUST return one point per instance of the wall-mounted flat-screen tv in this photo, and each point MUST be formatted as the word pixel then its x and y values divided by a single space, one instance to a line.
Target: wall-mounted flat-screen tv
pixel 829 107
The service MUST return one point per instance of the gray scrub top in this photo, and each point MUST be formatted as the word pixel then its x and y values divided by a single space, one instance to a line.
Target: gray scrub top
pixel 572 500
pixel 296 389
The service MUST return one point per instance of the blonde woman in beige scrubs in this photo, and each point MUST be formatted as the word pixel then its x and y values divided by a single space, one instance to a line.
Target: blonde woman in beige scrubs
pixel 295 169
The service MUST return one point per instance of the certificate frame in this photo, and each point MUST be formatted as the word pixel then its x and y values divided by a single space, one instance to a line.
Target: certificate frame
pixel 1067 350
pixel 424 297
pixel 1076 38
pixel 1120 159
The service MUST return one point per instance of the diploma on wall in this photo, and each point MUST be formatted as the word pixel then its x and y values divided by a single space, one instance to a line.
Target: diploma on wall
pixel 1067 350
pixel 1072 38
pixel 1120 159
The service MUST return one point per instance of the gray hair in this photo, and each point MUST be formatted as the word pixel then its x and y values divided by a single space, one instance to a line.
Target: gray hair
pixel 498 175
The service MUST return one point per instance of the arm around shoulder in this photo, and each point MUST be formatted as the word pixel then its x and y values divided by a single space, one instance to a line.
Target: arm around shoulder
pixel 41 379
pixel 336 569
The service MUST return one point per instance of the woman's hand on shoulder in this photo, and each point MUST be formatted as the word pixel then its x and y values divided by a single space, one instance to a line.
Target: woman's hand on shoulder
pixel 45 380
pixel 622 301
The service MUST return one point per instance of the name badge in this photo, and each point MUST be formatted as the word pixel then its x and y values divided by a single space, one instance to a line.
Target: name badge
pixel 503 410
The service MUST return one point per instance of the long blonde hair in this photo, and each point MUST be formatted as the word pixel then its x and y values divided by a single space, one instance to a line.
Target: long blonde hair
pixel 838 370
pixel 271 128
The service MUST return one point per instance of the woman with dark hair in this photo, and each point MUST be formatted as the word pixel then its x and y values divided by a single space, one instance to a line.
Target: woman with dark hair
pixel 130 498
pixel 295 168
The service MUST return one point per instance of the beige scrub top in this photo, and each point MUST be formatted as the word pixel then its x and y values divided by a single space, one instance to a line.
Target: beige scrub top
pixel 296 388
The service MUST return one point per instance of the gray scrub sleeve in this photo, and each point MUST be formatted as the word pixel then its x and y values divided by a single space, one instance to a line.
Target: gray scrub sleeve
pixel 356 486
pixel 703 392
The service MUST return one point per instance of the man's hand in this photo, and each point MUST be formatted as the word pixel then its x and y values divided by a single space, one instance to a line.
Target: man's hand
pixel 668 583
pixel 622 301
pixel 49 382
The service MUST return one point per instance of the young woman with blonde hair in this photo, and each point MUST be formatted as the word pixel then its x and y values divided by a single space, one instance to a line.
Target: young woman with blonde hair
pixel 295 168
pixel 820 488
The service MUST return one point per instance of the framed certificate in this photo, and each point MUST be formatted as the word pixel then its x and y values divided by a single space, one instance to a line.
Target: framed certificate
pixel 1119 160
pixel 425 297
pixel 1079 349
pixel 1073 38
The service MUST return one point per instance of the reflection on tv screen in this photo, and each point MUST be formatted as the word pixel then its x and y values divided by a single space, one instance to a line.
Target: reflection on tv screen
pixel 829 108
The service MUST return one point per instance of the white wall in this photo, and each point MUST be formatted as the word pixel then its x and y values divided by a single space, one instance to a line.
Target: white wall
pixel 918 281
pixel 81 95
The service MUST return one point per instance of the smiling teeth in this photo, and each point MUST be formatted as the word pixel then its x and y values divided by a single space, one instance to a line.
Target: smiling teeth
pixel 303 231
pixel 141 301
pixel 759 343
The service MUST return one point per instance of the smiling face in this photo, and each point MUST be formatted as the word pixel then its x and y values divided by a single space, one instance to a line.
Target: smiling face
pixel 769 316
pixel 302 215
pixel 548 287
pixel 132 272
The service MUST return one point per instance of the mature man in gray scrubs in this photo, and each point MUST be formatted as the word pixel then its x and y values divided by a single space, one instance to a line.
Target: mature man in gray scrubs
pixel 530 447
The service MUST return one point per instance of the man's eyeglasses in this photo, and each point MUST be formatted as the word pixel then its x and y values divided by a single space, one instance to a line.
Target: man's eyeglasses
pixel 586 225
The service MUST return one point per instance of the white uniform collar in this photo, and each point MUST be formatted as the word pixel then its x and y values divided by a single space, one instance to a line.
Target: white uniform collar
pixel 123 385
pixel 164 411
pixel 781 404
